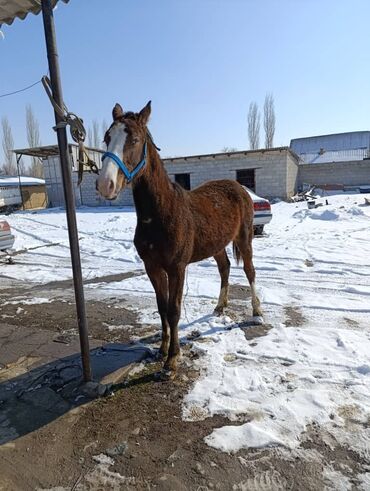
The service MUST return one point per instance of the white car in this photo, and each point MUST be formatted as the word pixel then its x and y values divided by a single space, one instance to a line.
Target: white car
pixel 262 211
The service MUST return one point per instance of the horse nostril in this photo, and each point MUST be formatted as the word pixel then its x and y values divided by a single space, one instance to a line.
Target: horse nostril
pixel 111 186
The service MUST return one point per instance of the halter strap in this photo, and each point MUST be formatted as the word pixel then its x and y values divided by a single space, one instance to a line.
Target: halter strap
pixel 121 165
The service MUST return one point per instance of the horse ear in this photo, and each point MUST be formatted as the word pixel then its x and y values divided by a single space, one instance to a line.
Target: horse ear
pixel 145 113
pixel 117 112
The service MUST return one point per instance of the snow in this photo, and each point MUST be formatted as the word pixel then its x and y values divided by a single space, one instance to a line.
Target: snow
pixel 25 181
pixel 313 278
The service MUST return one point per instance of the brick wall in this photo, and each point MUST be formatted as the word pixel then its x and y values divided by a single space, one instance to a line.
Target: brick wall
pixel 274 169
pixel 351 173
pixel 275 175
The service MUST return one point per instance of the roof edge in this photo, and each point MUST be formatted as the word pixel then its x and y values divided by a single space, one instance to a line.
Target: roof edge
pixel 232 154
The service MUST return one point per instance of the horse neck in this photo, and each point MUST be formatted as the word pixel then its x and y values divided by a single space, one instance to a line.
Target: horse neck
pixel 152 190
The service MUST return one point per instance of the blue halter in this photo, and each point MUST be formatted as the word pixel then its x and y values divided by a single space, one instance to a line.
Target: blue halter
pixel 121 165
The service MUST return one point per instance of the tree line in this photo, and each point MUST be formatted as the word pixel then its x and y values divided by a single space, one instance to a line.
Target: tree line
pixel 254 125
pixel 8 167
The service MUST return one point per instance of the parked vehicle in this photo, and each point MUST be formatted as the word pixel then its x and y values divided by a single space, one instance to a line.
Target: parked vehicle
pixel 6 236
pixel 262 211
pixel 10 195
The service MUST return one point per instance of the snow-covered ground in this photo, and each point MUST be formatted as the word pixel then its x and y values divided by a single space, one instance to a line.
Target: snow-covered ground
pixel 313 277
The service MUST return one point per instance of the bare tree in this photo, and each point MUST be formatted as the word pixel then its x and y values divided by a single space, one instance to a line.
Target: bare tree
pixel 104 127
pixel 96 140
pixel 228 149
pixel 254 120
pixel 9 166
pixel 33 138
pixel 89 137
pixel 269 120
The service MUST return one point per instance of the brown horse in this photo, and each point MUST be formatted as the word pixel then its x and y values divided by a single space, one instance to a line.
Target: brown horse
pixel 176 227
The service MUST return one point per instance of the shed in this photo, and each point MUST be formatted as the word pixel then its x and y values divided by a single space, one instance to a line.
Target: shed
pixel 22 192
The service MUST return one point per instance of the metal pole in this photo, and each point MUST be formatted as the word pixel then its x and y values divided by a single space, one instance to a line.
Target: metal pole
pixel 18 158
pixel 51 47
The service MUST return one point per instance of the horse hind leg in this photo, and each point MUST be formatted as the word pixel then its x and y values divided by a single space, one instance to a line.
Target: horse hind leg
pixel 223 265
pixel 244 244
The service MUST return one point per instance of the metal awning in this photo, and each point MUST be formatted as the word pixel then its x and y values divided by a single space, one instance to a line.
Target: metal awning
pixel 12 9
pixel 40 152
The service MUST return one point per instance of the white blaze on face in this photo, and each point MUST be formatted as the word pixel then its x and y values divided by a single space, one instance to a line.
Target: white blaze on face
pixel 109 171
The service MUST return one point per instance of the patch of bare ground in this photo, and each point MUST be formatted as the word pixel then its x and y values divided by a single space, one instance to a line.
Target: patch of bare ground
pixel 239 292
pixel 106 321
pixel 351 322
pixel 293 317
pixel 136 439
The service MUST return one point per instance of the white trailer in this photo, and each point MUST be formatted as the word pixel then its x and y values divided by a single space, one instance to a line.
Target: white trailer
pixel 10 194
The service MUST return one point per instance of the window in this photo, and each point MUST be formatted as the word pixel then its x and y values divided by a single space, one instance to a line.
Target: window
pixel 246 178
pixel 183 180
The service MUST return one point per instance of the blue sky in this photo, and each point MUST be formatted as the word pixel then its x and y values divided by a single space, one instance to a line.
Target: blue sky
pixel 201 62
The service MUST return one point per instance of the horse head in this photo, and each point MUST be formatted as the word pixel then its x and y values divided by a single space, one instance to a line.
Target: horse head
pixel 126 141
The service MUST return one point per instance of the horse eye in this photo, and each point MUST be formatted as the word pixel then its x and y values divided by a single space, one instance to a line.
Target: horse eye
pixel 135 140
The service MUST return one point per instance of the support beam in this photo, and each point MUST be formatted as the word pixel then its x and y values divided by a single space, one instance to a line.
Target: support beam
pixel 51 47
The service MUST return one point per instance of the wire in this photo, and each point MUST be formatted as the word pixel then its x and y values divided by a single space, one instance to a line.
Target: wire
pixel 20 90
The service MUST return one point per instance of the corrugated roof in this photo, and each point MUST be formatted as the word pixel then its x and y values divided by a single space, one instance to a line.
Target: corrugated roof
pixel 353 140
pixel 12 9
pixel 334 156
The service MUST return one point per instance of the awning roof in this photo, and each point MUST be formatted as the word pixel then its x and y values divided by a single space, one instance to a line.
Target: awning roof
pixel 41 152
pixel 11 9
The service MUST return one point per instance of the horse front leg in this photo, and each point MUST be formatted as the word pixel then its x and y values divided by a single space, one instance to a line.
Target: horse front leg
pixel 159 280
pixel 175 286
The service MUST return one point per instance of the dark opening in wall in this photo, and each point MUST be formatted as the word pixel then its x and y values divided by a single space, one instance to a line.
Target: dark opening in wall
pixel 246 177
pixel 183 180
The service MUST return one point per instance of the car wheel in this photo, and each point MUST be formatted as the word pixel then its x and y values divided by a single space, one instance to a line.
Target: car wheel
pixel 258 230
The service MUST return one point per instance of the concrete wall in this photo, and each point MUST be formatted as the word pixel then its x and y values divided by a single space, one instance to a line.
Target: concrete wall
pixel 351 173
pixel 292 175
pixel 54 184
pixel 90 197
pixel 275 175
pixel 273 170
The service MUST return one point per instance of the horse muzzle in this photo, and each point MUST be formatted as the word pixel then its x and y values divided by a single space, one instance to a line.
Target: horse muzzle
pixel 106 187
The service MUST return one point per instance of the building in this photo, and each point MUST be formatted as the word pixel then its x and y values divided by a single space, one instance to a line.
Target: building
pixel 26 193
pixel 338 160
pixel 270 173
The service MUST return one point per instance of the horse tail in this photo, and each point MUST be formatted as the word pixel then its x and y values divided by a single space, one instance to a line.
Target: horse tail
pixel 236 253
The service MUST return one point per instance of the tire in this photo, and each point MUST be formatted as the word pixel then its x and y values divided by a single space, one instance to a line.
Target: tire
pixel 258 229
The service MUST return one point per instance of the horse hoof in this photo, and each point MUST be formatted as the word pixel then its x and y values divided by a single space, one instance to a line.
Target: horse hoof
pixel 218 311
pixel 258 320
pixel 160 355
